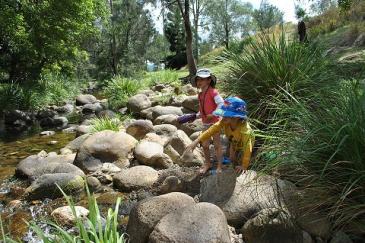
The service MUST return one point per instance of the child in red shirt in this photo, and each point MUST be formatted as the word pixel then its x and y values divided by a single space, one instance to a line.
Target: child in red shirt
pixel 209 101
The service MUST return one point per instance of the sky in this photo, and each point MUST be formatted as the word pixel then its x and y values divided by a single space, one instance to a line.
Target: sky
pixel 286 6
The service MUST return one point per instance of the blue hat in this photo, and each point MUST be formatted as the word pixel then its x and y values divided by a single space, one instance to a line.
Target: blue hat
pixel 233 107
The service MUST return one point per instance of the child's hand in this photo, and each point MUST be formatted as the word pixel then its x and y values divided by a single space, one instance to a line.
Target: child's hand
pixel 239 169
pixel 190 147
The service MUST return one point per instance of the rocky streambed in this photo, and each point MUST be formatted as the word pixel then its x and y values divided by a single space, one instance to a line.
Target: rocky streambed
pixel 164 199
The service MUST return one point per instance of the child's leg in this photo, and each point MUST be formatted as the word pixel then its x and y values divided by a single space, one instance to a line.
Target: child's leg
pixel 207 163
pixel 218 151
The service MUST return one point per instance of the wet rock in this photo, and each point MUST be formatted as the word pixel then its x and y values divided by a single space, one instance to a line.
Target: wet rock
pixel 84 99
pixel 137 177
pixel 138 103
pixel 64 216
pixel 93 183
pixel 206 220
pixel 147 213
pixel 139 128
pixel 10 117
pixel 102 147
pixel 191 103
pixel 46 186
pixel 60 122
pixel 272 225
pixel 165 110
pixel 47 113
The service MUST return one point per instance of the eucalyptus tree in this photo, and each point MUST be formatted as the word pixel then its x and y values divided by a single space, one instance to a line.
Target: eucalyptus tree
pixel 267 15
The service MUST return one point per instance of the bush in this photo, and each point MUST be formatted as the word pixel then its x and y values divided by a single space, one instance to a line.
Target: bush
pixel 119 89
pixel 268 65
pixel 50 89
pixel 161 77
pixel 319 144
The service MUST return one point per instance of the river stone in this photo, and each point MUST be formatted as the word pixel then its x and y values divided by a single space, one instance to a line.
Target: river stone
pixel 66 109
pixel 167 119
pixel 171 184
pixel 178 100
pixel 165 130
pixel 139 128
pixel 178 143
pixel 46 186
pixel 53 168
pixel 191 127
pixel 189 89
pixel 110 168
pixel 93 183
pixel 75 144
pixel 64 216
pixel 83 129
pixel 202 222
pixel 242 197
pixel 191 103
pixel 107 114
pixel 147 213
pixel 91 108
pixel 28 166
pixel 147 113
pixel 145 150
pixel 102 147
pixel 165 110
pixel 84 99
pixel 137 177
pixel 60 122
pixel 138 102
pixel 272 225
pixel 153 137
pixel 194 136
pixel 12 116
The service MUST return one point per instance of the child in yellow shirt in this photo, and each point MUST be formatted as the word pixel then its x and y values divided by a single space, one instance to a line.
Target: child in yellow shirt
pixel 237 129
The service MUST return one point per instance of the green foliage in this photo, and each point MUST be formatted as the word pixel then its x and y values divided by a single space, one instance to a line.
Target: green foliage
pixel 320 143
pixel 43 35
pixel 267 65
pixel 174 29
pixel 267 15
pixel 119 89
pixel 161 77
pixel 106 123
pixel 49 89
pixel 89 230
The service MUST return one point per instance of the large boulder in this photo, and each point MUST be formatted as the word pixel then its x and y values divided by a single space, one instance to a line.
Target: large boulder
pixel 148 212
pixel 176 147
pixel 84 99
pixel 165 130
pixel 242 197
pixel 272 225
pixel 34 164
pixel 192 127
pixel 151 154
pixel 46 186
pixel 75 144
pixel 167 119
pixel 53 168
pixel 139 128
pixel 165 110
pixel 191 103
pixel 102 147
pixel 138 103
pixel 137 177
pixel 202 222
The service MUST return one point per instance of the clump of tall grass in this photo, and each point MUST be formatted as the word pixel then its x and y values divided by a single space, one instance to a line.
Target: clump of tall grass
pixel 107 123
pixel 319 143
pixel 89 230
pixel 119 89
pixel 268 64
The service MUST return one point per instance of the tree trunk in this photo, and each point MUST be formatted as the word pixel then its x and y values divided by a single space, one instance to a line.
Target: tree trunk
pixel 113 47
pixel 226 30
pixel 189 37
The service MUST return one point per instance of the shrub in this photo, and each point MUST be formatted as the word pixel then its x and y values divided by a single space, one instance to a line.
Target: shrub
pixel 319 143
pixel 119 89
pixel 161 77
pixel 268 65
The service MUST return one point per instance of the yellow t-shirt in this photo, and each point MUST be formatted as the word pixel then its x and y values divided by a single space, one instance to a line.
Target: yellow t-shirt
pixel 241 138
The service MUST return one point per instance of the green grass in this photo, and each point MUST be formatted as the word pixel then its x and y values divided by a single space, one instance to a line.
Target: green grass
pixel 319 144
pixel 106 123
pixel 162 77
pixel 51 89
pixel 89 231
pixel 119 89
